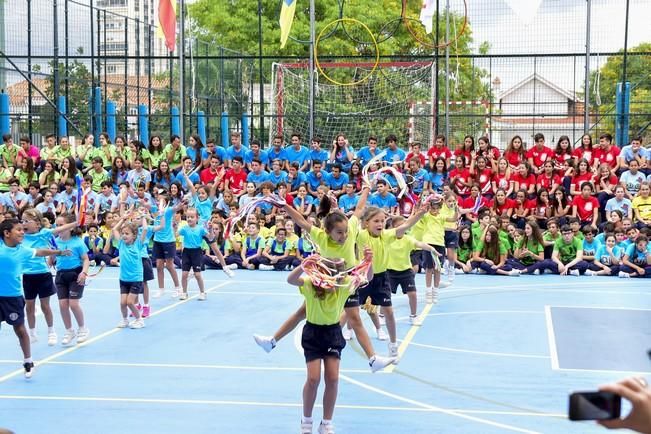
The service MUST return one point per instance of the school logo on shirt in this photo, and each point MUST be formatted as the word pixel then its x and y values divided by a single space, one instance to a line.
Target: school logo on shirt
pixel 543 157
pixel 588 206
pixel 13 316
pixel 609 157
pixel 482 178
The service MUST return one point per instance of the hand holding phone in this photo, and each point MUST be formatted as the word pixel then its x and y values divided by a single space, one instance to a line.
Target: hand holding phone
pixel 636 391
pixel 597 405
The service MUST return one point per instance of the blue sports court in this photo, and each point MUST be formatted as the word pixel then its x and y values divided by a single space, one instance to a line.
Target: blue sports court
pixel 497 354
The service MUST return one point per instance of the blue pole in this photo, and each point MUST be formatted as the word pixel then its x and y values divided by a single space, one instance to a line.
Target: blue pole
pixel 143 123
pixel 97 103
pixel 619 119
pixel 246 139
pixel 201 126
pixel 176 121
pixel 111 128
pixel 61 121
pixel 5 125
pixel 225 133
pixel 626 114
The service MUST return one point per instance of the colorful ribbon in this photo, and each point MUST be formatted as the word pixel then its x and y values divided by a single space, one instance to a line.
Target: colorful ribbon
pixel 249 208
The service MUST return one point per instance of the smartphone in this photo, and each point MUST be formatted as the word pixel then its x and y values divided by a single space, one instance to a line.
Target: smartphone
pixel 594 406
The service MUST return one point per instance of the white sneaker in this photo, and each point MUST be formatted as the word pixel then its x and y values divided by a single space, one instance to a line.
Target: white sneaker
pixel 381 334
pixel 514 272
pixel 137 324
pixel 178 292
pixel 267 343
pixel 378 363
pixel 536 272
pixel 68 337
pixel 160 293
pixel 123 323
pixel 306 427
pixel 452 272
pixel 83 333
pixel 326 429
pixel 575 272
pixel 231 267
pixel 383 321
pixel 183 296
pixel 393 349
pixel 33 338
pixel 415 320
pixel 443 284
pixel 624 275
pixel 348 333
pixel 228 272
pixel 265 267
pixel 474 271
pixel 202 296
pixel 590 273
pixel 435 295
pixel 52 339
pixel 429 296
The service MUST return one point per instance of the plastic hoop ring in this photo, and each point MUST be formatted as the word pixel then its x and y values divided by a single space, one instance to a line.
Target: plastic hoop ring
pixel 307 42
pixel 316 52
pixel 426 44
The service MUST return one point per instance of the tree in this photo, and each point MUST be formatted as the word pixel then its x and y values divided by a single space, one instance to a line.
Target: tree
pixel 637 73
pixel 234 24
pixel 78 106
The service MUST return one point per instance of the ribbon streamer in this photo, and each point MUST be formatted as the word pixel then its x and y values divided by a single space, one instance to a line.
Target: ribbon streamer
pixel 248 209
pixel 372 177
pixel 322 273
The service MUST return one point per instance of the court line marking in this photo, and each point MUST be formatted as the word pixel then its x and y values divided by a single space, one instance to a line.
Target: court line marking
pixel 551 338
pixel 105 334
pixel 297 344
pixel 603 308
pixel 483 353
pixel 410 336
pixel 605 371
pixel 273 404
pixel 474 312
pixel 188 366
pixel 435 408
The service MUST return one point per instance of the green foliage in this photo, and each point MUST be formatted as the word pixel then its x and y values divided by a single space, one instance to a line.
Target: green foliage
pixel 637 73
pixel 79 84
pixel 234 24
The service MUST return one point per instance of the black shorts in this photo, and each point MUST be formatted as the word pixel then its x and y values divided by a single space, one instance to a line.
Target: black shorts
pixel 131 287
pixel 164 250
pixel 378 290
pixel 428 260
pixel 451 239
pixel 38 285
pixel 192 259
pixel 416 257
pixel 352 300
pixel 321 341
pixel 67 286
pixel 12 310
pixel 404 279
pixel 147 270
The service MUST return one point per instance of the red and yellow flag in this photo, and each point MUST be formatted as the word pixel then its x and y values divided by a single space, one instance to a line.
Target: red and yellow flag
pixel 167 21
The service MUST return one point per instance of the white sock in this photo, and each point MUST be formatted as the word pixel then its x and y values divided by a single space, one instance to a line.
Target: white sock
pixel 326 421
pixel 28 360
pixel 306 419
pixel 32 332
pixel 145 305
pixel 50 329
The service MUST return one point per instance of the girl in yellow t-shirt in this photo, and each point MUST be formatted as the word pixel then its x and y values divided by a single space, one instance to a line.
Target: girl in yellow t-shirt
pixel 336 240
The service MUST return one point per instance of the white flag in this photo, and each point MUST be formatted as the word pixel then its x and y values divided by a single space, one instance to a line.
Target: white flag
pixel 427 14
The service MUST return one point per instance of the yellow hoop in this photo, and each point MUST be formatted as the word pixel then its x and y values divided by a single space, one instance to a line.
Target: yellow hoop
pixel 375 44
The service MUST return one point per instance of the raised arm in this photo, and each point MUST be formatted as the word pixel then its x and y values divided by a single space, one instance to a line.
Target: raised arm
pixel 361 203
pixel 295 278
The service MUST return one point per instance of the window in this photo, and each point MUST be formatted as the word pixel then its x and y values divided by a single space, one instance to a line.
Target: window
pixel 111 69
pixel 133 111
pixel 111 3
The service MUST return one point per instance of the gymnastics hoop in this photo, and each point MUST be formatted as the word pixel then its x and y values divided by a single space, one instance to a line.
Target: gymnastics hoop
pixel 308 42
pixel 316 52
pixel 426 44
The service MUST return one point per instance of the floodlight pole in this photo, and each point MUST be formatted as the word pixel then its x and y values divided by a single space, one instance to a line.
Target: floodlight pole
pixel 181 70
pixel 311 71
pixel 447 70
pixel 586 104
